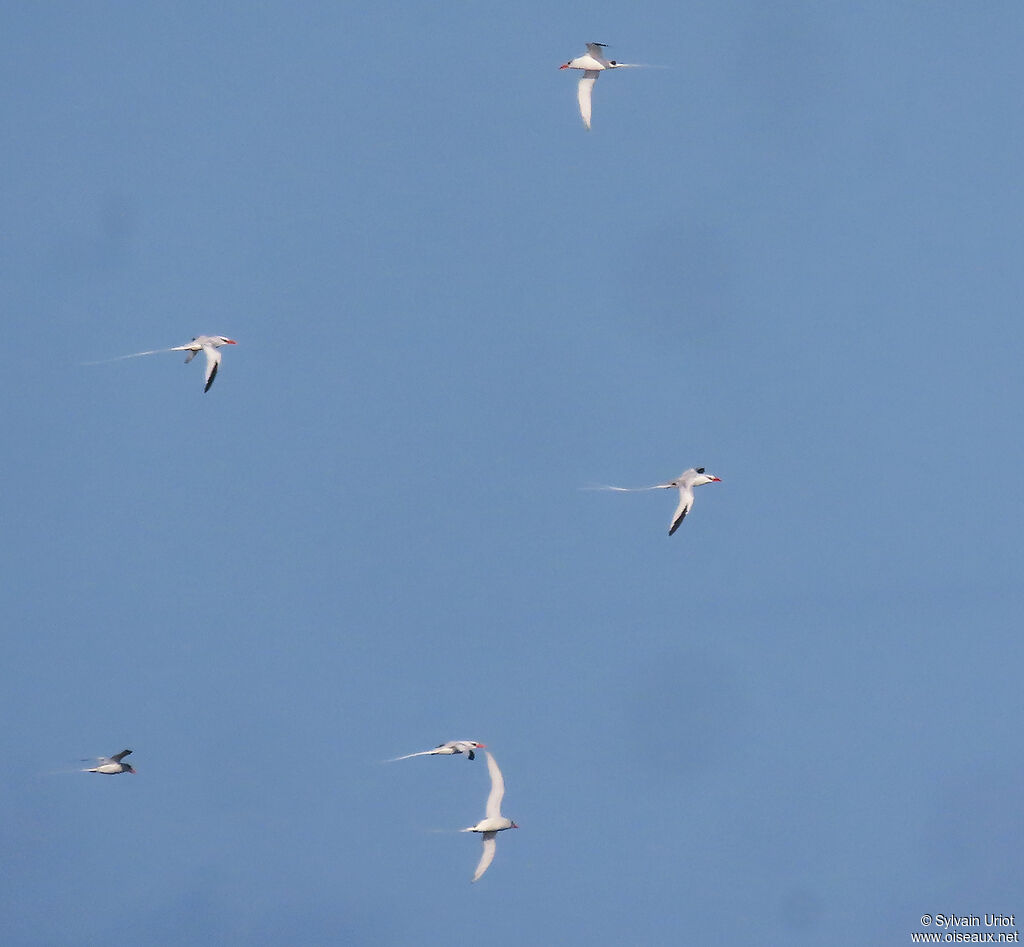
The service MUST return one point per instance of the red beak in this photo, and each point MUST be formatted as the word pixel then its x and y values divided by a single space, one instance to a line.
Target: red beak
pixel 564 66
pixel 230 342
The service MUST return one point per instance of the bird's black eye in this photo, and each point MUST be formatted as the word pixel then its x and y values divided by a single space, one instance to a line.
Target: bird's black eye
pixel 614 63
pixel 700 470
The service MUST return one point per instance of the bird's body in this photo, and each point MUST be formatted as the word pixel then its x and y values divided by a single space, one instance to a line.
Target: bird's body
pixel 684 483
pixel 210 346
pixel 493 821
pixel 593 63
pixel 451 748
pixel 112 765
pixel 593 60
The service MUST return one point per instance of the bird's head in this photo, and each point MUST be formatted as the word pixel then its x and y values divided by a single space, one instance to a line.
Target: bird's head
pixel 703 477
pixel 566 65
pixel 513 826
pixel 222 340
pixel 128 768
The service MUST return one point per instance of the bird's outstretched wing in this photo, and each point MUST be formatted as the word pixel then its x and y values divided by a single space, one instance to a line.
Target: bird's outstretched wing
pixel 583 93
pixel 487 856
pixel 117 757
pixel 685 503
pixel 212 364
pixel 497 789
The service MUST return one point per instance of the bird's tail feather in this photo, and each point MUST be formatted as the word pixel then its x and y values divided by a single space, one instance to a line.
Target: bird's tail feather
pixel 119 358
pixel 409 756
pixel 657 486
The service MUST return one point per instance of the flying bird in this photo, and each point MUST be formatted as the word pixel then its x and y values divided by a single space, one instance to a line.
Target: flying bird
pixel 493 822
pixel 592 64
pixel 112 765
pixel 446 749
pixel 208 344
pixel 684 483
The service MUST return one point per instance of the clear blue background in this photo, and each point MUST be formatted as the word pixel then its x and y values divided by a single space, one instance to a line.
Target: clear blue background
pixel 793 256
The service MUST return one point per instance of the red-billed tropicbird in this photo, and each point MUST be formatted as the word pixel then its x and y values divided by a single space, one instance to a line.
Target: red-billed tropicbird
pixel 493 822
pixel 684 483
pixel 208 344
pixel 592 64
pixel 112 765
pixel 446 749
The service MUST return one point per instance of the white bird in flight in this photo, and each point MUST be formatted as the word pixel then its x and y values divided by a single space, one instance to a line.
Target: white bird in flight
pixel 592 64
pixel 684 483
pixel 112 765
pixel 446 749
pixel 493 822
pixel 208 344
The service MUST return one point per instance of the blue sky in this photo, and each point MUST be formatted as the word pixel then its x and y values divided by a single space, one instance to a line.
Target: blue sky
pixel 791 257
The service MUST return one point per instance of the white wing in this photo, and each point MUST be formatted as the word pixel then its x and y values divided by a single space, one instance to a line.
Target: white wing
pixel 212 364
pixel 494 799
pixel 685 503
pixel 583 91
pixel 488 853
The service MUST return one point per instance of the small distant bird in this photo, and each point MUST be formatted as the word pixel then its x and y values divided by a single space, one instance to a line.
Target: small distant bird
pixel 493 822
pixel 112 765
pixel 592 64
pixel 446 749
pixel 208 344
pixel 684 483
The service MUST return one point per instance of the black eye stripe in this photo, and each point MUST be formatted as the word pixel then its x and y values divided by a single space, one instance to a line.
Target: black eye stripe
pixel 700 470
